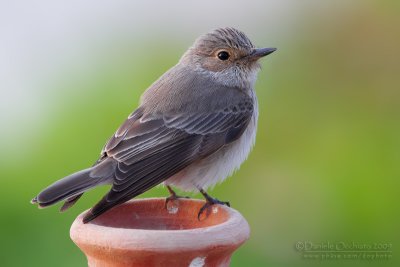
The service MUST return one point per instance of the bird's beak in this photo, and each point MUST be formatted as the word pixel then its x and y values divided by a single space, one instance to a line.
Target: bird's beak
pixel 261 52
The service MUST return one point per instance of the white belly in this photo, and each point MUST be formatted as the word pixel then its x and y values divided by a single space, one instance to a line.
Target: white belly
pixel 218 166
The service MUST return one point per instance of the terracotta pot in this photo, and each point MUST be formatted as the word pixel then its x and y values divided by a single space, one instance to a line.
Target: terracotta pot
pixel 144 233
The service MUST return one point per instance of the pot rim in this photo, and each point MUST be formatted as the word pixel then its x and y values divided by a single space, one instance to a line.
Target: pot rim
pixel 232 232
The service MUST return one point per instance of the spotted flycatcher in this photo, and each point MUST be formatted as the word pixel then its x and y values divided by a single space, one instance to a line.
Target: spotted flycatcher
pixel 194 126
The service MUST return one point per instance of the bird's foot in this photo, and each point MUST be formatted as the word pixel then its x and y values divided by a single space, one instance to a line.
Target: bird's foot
pixel 172 197
pixel 210 201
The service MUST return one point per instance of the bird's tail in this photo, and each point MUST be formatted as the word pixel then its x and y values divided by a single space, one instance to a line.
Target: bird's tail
pixel 73 186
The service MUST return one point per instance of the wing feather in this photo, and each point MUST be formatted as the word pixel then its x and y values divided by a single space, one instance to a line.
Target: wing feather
pixel 149 151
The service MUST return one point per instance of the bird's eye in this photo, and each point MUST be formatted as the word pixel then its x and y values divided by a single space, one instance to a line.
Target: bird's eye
pixel 223 55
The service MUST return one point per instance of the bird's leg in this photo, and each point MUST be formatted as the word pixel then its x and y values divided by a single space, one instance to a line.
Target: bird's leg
pixel 172 196
pixel 209 202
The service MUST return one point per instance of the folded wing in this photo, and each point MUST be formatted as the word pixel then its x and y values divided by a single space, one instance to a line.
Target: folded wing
pixel 149 148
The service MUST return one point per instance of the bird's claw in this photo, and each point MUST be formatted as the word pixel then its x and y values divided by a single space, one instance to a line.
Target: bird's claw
pixel 209 203
pixel 173 197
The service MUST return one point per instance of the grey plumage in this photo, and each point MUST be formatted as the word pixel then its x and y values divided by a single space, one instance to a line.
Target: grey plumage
pixel 186 116
pixel 75 184
pixel 154 144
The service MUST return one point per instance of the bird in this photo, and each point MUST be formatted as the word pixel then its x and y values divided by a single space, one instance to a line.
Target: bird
pixel 193 128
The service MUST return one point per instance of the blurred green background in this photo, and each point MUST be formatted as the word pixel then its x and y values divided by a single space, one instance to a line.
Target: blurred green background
pixel 326 164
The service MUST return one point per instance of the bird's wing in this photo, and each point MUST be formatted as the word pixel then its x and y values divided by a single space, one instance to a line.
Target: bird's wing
pixel 150 149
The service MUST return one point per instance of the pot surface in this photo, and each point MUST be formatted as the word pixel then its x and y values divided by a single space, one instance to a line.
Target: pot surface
pixel 144 232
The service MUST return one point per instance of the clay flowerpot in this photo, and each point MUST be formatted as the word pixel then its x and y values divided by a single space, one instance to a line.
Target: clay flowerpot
pixel 144 232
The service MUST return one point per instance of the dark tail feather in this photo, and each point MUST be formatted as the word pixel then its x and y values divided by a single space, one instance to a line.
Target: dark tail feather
pixel 73 186
pixel 68 187
pixel 101 207
pixel 70 202
pixel 104 205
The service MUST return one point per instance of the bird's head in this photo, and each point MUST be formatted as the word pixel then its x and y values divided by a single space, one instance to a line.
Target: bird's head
pixel 228 55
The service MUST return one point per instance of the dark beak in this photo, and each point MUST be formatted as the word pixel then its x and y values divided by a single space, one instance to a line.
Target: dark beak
pixel 261 52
